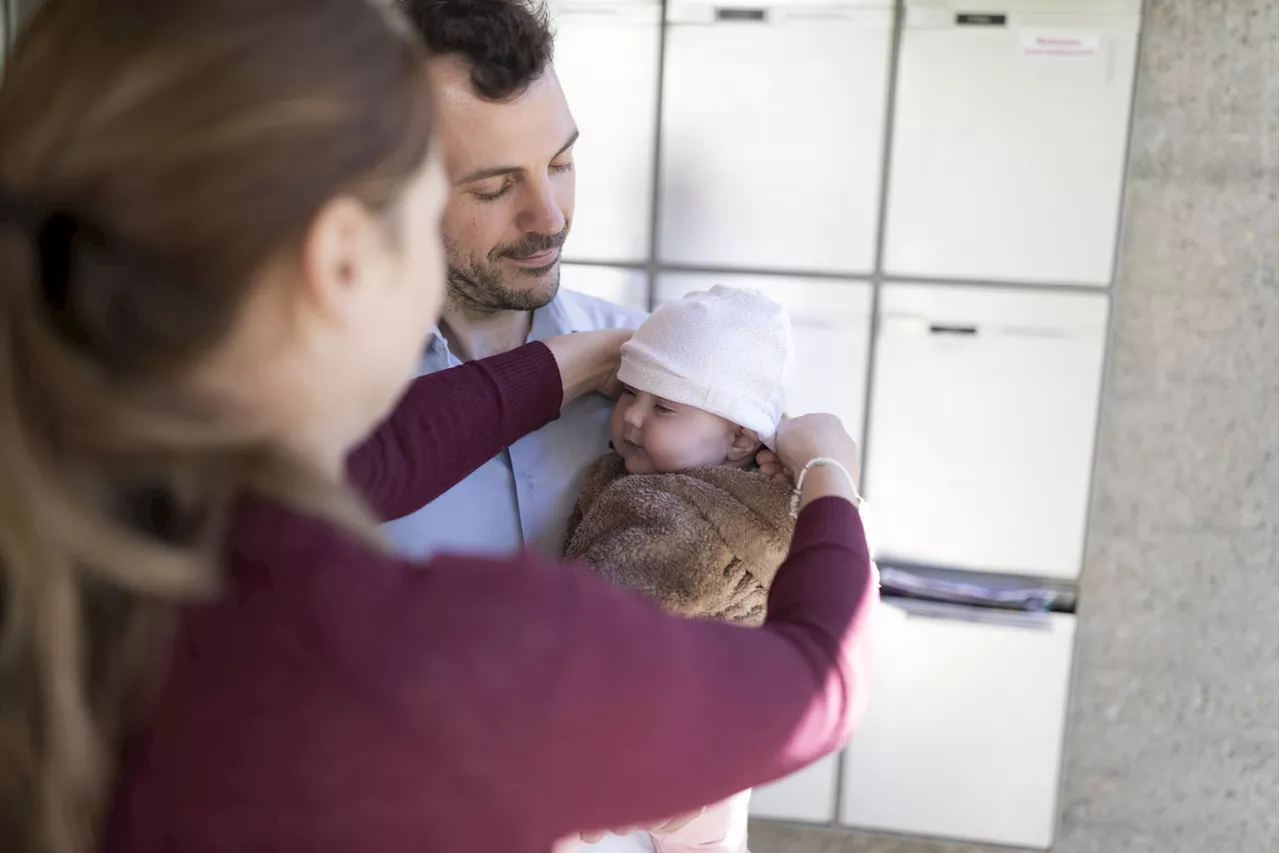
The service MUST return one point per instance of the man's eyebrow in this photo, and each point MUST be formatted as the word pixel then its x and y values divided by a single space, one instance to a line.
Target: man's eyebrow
pixel 499 171
pixel 573 137
pixel 483 174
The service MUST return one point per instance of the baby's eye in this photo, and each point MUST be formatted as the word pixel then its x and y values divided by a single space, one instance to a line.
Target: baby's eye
pixel 664 410
pixel 627 392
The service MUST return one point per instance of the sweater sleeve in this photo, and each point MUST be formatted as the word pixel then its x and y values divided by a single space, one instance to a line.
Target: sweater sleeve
pixel 553 674
pixel 450 423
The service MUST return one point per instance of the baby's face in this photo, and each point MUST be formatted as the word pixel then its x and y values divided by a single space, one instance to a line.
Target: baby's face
pixel 657 436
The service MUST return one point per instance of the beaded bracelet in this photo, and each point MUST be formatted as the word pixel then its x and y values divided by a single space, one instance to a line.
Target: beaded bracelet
pixel 814 463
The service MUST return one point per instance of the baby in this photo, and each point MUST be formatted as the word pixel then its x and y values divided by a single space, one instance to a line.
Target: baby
pixel 679 511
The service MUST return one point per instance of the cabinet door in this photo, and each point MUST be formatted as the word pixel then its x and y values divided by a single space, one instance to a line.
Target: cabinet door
pixel 983 413
pixel 628 287
pixel 607 61
pixel 1009 142
pixel 772 132
pixel 831 327
pixel 807 796
pixel 963 735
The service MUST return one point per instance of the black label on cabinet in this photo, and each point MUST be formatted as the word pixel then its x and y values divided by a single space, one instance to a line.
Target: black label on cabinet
pixel 730 14
pixel 981 19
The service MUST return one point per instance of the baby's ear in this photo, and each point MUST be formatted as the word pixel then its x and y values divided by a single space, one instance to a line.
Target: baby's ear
pixel 744 446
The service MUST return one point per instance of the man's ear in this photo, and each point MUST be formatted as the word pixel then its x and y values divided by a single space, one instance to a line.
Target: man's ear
pixel 744 446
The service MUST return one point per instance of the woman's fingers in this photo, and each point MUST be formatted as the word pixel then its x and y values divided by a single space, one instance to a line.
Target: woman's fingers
pixel 771 466
pixel 588 361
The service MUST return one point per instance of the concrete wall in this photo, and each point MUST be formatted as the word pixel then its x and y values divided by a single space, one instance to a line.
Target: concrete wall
pixel 1172 742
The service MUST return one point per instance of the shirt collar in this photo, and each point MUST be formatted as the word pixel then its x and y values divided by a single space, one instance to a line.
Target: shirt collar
pixel 550 320
pixel 553 319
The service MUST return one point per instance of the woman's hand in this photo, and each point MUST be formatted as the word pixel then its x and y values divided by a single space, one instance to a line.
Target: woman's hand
pixel 589 361
pixel 771 466
pixel 808 437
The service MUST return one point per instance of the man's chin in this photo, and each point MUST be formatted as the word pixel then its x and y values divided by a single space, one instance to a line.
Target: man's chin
pixel 502 286
pixel 530 289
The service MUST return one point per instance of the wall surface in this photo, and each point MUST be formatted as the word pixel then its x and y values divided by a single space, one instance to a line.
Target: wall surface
pixel 1172 744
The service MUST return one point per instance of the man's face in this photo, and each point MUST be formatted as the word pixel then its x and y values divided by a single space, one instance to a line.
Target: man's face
pixel 510 170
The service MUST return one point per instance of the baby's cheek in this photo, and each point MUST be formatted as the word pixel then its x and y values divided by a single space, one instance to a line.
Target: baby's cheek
pixel 662 448
pixel 674 449
pixel 616 427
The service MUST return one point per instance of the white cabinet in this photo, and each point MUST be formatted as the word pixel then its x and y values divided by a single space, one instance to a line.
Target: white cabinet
pixel 983 412
pixel 808 796
pixel 772 133
pixel 628 287
pixel 606 57
pixel 1009 139
pixel 963 735
pixel 831 327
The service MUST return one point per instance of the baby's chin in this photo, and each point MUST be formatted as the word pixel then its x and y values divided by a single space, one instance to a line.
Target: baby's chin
pixel 638 463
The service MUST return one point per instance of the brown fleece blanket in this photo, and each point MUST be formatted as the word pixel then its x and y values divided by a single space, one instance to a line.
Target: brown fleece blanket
pixel 705 542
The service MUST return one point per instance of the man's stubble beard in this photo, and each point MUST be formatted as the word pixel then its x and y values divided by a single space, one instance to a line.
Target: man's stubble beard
pixel 481 293
pixel 478 288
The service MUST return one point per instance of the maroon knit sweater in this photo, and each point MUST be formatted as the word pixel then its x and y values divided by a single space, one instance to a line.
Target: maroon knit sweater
pixel 338 699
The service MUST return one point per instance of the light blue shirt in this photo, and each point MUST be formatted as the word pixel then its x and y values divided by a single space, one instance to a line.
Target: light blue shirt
pixel 524 495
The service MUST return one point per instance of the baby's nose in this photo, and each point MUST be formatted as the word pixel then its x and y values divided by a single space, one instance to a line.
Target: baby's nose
pixel 634 417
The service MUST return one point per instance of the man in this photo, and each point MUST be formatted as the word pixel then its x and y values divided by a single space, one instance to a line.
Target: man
pixel 508 141
pixel 508 138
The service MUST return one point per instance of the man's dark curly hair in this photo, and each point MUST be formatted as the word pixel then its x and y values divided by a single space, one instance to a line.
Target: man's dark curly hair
pixel 507 43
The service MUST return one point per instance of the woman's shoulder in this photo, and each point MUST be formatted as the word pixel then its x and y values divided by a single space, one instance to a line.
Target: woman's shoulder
pixel 324 654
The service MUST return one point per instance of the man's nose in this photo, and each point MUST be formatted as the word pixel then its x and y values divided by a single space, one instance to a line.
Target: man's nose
pixel 541 213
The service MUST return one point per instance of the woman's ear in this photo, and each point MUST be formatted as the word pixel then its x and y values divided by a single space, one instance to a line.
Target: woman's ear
pixel 339 253
pixel 744 446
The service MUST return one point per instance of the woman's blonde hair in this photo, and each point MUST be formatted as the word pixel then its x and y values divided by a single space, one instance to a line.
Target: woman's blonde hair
pixel 155 155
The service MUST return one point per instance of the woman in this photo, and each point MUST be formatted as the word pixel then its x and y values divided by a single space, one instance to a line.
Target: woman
pixel 217 269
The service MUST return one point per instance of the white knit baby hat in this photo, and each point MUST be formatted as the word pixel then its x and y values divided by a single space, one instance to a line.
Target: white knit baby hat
pixel 726 351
